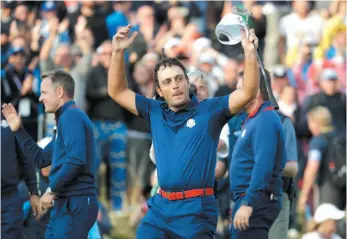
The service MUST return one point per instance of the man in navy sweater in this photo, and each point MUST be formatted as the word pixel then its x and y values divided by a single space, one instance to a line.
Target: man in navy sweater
pixel 12 163
pixel 72 189
pixel 257 163
pixel 185 136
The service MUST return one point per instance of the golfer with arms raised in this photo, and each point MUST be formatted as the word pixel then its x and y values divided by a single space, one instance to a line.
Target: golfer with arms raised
pixel 185 137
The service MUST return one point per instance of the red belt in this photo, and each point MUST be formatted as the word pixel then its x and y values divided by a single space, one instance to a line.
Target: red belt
pixel 172 196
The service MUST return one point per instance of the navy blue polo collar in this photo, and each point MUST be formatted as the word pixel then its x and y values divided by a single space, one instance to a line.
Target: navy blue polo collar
pixel 192 104
pixel 64 107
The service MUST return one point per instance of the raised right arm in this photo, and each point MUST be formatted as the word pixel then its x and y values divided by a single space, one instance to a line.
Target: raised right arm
pixel 117 85
pixel 41 157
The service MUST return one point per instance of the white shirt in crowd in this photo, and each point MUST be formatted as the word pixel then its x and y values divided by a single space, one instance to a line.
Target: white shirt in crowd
pixel 295 29
pixel 316 235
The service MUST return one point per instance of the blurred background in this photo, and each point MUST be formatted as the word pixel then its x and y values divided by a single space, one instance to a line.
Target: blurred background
pixel 302 44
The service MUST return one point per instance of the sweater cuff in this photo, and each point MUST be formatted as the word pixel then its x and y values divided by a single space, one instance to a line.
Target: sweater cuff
pixel 33 188
pixel 249 200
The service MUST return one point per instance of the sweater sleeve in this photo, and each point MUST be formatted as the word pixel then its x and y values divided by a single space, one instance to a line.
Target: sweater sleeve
pixel 41 157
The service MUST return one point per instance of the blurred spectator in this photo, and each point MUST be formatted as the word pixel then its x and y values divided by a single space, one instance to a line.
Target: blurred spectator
pixel 338 44
pixel 321 127
pixel 21 13
pixel 197 13
pixel 231 76
pixel 301 62
pixel 19 28
pixel 110 127
pixel 207 65
pixel 175 27
pixel 48 13
pixel 331 52
pixel 139 166
pixel 16 87
pixel 258 22
pixel 21 42
pixel 5 14
pixel 172 47
pixel 146 24
pixel 200 81
pixel 5 44
pixel 177 17
pixel 91 16
pixel 335 25
pixel 199 45
pixel 279 79
pixel 288 103
pixel 294 26
pixel 316 70
pixel 325 222
pixel 62 58
pixel 118 18
pixel 329 97
pixel 141 207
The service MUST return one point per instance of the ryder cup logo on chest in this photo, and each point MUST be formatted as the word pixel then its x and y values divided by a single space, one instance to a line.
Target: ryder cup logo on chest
pixel 190 123
pixel 55 132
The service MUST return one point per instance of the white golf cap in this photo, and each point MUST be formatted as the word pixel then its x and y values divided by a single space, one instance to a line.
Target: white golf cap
pixel 201 43
pixel 328 211
pixel 206 58
pixel 279 71
pixel 230 26
pixel 172 43
pixel 329 74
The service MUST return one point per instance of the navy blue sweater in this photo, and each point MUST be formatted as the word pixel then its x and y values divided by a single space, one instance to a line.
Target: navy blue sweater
pixel 259 157
pixel 13 162
pixel 71 153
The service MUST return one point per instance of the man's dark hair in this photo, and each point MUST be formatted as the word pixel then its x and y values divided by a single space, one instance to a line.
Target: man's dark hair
pixel 62 78
pixel 168 62
pixel 263 92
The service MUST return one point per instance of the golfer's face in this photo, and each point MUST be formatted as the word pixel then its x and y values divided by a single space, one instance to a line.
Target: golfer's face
pixel 49 95
pixel 173 85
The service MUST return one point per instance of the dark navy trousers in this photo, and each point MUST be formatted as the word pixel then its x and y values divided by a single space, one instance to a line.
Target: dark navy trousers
pixel 263 216
pixel 72 217
pixel 11 215
pixel 188 218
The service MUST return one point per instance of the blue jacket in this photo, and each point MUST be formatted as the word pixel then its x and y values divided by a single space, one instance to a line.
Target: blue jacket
pixel 71 153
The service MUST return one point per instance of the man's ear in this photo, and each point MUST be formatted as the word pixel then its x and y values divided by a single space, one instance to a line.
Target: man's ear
pixel 60 91
pixel 159 91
